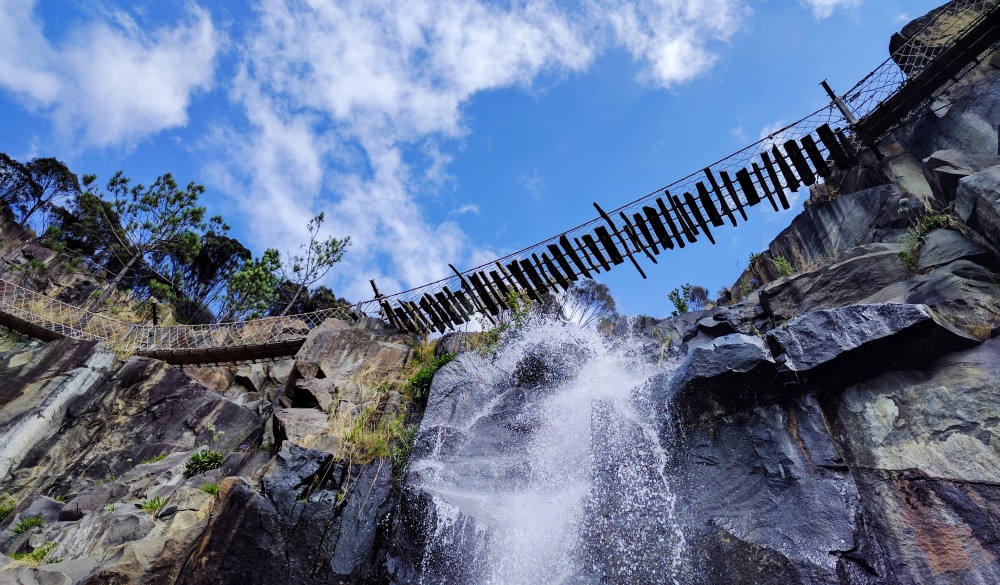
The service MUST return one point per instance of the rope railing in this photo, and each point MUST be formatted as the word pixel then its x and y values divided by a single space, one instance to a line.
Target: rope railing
pixel 807 152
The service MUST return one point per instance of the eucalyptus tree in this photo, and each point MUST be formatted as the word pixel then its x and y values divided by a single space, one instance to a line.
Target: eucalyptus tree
pixel 312 263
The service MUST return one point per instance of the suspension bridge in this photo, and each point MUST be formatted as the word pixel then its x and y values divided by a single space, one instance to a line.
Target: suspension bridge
pixel 812 150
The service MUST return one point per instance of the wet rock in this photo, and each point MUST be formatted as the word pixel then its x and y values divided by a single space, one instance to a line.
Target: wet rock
pixel 849 343
pixel 775 501
pixel 720 376
pixel 547 365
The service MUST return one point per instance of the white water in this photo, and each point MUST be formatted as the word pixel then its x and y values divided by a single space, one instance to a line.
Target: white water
pixel 563 484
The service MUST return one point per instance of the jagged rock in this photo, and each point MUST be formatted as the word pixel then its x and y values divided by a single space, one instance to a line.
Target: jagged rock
pixel 251 376
pixel 548 365
pixel 719 376
pixel 923 447
pixel 945 168
pixel 908 174
pixel 832 346
pixel 301 426
pixel 454 342
pixel 214 377
pixel 312 522
pixel 978 203
pixel 34 576
pixel 972 120
pixel 943 246
pixel 775 502
pixel 859 273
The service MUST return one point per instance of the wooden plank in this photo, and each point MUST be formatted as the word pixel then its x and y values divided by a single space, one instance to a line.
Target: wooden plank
pixel 458 305
pixel 814 154
pixel 786 171
pixel 500 285
pixel 431 314
pixel 621 240
pixel 529 270
pixel 775 181
pixel 585 251
pixel 484 294
pixel 799 162
pixel 640 223
pixel 718 195
pixel 563 262
pixel 443 302
pixel 747 186
pixel 495 293
pixel 555 273
pixel 693 206
pixel 733 193
pixel 633 235
pixel 464 300
pixel 389 315
pixel 763 185
pixel 479 304
pixel 658 228
pixel 404 318
pixel 706 200
pixel 690 231
pixel 832 144
pixel 515 270
pixel 596 251
pixel 441 313
pixel 665 213
pixel 571 253
pixel 846 144
pixel 416 316
pixel 610 249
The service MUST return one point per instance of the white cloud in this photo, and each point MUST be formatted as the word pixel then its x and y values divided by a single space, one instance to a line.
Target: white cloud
pixel 825 8
pixel 107 83
pixel 338 95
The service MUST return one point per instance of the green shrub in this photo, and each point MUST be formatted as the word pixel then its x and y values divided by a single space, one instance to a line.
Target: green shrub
pixel 203 461
pixel 27 523
pixel 419 383
pixel 210 488
pixel 7 505
pixel 152 506
pixel 784 267
pixel 37 556
pixel 154 459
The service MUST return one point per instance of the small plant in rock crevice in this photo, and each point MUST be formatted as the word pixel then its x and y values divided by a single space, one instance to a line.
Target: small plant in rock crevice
pixel 203 461
pixel 211 489
pixel 419 384
pixel 914 237
pixel 36 557
pixel 154 459
pixel 27 523
pixel 784 267
pixel 153 506
pixel 7 505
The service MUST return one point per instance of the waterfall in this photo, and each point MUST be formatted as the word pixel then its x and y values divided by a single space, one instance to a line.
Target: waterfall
pixel 545 464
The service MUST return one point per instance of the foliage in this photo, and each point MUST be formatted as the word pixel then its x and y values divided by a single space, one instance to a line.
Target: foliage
pixel 210 488
pixel 313 262
pixel 252 289
pixel 36 557
pixel 784 267
pixel 26 189
pixel 27 523
pixel 153 505
pixel 419 384
pixel 7 505
pixel 589 301
pixel 913 239
pixel 203 461
pixel 688 297
pixel 154 459
pixel 376 434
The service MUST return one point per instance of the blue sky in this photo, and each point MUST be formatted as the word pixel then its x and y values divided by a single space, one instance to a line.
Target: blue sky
pixel 430 131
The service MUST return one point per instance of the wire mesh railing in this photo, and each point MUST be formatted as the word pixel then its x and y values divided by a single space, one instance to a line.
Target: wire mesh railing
pixel 806 152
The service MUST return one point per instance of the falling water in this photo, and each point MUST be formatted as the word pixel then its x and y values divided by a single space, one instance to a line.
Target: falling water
pixel 556 477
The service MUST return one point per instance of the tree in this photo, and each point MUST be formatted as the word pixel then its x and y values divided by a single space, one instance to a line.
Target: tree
pixel 253 289
pixel 144 222
pixel 35 186
pixel 589 301
pixel 314 261
pixel 688 298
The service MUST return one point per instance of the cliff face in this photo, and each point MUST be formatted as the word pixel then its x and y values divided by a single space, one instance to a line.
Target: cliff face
pixel 839 424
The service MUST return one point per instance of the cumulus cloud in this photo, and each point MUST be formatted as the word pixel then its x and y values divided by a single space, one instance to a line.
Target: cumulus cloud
pixel 107 83
pixel 825 8
pixel 337 93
